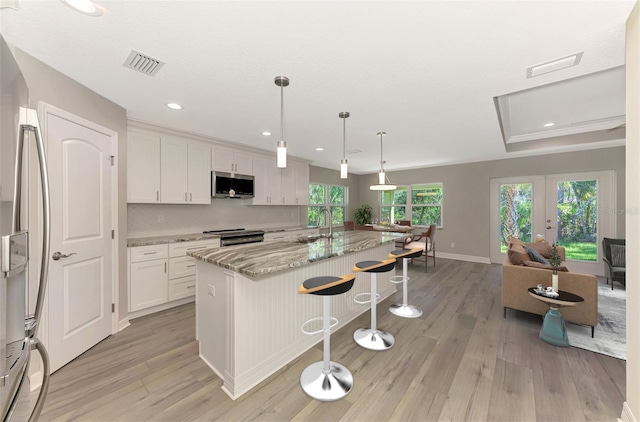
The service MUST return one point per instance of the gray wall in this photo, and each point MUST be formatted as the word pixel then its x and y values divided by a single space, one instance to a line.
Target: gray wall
pixel 466 191
pixel 48 85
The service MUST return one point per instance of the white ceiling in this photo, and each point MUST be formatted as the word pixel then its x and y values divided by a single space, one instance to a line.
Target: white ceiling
pixel 424 72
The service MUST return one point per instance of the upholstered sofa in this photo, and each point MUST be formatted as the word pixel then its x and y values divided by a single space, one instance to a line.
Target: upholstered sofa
pixel 516 279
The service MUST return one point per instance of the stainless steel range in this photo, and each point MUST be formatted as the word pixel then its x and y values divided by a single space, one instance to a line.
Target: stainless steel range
pixel 230 237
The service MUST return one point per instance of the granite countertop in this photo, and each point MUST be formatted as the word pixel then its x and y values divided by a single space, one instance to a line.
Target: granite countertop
pixel 259 259
pixel 173 238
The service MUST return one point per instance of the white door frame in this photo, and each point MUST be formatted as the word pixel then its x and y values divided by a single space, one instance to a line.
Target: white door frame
pixel 45 109
pixel 537 209
pixel 542 186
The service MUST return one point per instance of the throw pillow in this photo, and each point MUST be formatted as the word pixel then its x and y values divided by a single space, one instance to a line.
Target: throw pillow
pixel 543 248
pixel 535 256
pixel 516 253
pixel 618 256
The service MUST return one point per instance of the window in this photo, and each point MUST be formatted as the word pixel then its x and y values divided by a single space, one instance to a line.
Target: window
pixel 421 204
pixel 426 204
pixel 333 198
pixel 394 205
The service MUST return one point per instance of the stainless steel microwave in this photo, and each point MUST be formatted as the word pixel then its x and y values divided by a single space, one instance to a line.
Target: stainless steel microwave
pixel 231 185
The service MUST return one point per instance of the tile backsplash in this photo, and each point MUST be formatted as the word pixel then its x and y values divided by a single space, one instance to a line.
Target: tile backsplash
pixel 164 219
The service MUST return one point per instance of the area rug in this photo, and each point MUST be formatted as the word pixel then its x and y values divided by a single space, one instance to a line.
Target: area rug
pixel 610 335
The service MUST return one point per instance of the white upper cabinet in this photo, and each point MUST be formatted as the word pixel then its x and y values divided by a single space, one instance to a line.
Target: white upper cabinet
pixel 288 185
pixel 167 170
pixel 301 176
pixel 199 174
pixel 232 161
pixel 274 186
pixel 174 167
pixel 267 181
pixel 143 168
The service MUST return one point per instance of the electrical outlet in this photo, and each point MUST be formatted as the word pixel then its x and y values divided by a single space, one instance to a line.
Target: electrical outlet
pixel 160 218
pixel 453 245
pixel 211 290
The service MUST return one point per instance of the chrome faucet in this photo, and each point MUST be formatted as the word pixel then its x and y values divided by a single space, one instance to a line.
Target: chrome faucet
pixel 325 209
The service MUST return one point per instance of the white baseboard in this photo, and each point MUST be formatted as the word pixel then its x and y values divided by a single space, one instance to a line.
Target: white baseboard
pixel 124 323
pixel 164 306
pixel 627 416
pixel 35 380
pixel 468 258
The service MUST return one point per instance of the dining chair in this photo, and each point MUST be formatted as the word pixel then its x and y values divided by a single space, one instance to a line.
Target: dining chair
pixel 425 241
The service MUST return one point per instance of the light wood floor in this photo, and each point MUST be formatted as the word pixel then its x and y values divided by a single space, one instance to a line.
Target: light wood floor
pixel 460 361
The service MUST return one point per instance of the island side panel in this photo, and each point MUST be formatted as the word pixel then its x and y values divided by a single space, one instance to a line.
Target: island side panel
pixel 267 312
pixel 212 315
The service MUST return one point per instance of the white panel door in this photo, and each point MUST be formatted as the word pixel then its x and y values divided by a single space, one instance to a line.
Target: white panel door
pixel 80 285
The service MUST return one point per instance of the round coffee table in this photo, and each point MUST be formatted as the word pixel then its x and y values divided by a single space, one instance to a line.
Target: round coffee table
pixel 553 329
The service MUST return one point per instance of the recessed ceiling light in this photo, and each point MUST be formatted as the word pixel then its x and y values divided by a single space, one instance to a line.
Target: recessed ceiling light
pixel 549 124
pixel 265 133
pixel 174 106
pixel 84 6
pixel 319 149
pixel 554 65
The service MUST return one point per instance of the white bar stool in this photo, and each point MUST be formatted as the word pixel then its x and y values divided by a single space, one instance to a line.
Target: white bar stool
pixel 326 380
pixel 373 338
pixel 404 309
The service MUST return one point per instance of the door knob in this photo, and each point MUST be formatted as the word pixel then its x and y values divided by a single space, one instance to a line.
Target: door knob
pixel 57 255
pixel 549 227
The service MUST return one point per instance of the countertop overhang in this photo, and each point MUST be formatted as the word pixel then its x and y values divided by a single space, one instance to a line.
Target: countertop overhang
pixel 260 259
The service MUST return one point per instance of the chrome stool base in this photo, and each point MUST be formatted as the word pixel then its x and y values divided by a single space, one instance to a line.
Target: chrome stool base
pixel 326 387
pixel 374 339
pixel 406 311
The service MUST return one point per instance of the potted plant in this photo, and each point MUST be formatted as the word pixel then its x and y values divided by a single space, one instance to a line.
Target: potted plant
pixel 555 261
pixel 363 215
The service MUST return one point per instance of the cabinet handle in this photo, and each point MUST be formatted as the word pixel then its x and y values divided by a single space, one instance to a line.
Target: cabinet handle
pixel 190 266
pixel 190 197
pixel 195 248
pixel 185 197
pixel 165 267
pixel 158 195
pixel 149 253
pixel 191 287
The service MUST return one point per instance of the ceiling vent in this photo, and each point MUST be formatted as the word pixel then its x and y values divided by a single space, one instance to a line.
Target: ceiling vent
pixel 143 63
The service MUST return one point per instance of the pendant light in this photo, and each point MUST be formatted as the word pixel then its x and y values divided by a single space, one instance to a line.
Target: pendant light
pixel 281 160
pixel 343 164
pixel 383 181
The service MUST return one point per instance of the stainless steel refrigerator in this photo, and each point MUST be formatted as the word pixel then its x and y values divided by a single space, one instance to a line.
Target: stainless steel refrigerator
pixel 19 134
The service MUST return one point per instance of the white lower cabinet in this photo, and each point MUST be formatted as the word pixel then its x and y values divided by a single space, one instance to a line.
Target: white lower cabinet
pixel 163 273
pixel 148 277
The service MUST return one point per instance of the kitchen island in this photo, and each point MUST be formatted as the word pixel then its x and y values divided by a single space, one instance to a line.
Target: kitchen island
pixel 249 312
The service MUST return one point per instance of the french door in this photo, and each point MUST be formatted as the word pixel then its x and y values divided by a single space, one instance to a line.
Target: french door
pixel 573 210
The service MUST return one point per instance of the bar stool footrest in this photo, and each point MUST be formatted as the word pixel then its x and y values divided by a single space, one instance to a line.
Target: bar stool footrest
pixel 334 322
pixel 357 297
pixel 397 279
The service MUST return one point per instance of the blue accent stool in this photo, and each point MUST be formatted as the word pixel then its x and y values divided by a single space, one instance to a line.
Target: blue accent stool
pixel 553 329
